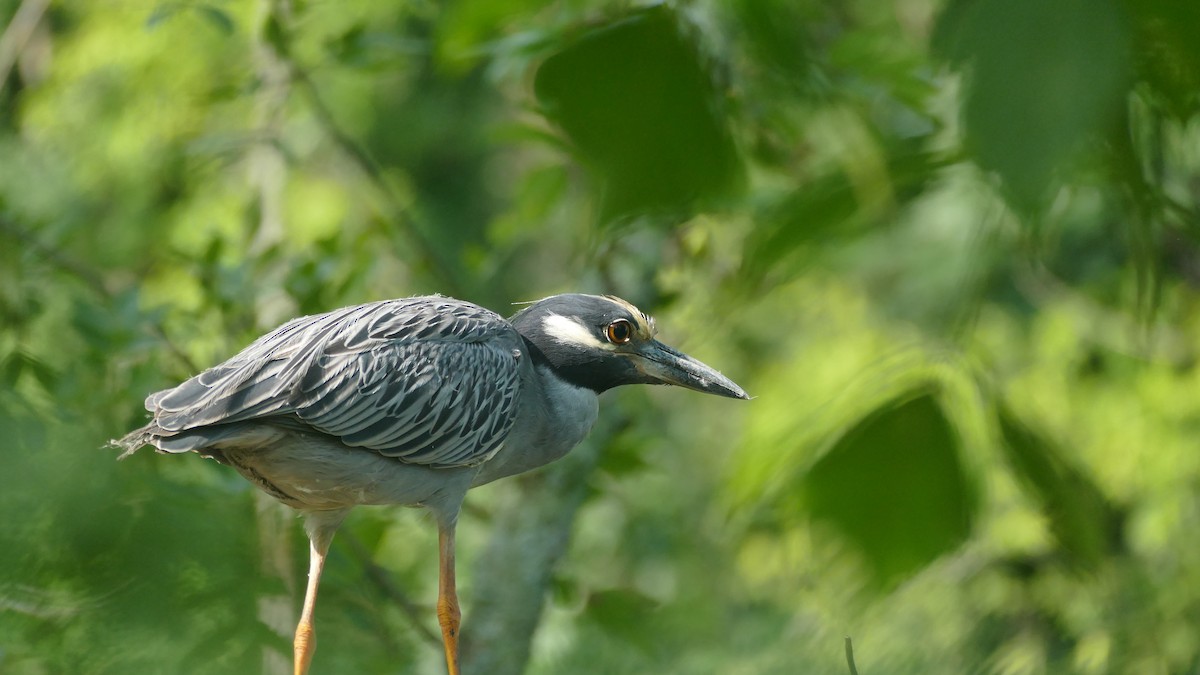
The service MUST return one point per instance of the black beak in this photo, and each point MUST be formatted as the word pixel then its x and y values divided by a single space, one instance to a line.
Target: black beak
pixel 663 365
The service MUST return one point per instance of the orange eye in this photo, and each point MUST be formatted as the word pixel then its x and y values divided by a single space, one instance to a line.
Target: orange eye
pixel 619 332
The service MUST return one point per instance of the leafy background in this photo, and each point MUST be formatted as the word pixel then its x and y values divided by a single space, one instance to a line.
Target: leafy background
pixel 951 248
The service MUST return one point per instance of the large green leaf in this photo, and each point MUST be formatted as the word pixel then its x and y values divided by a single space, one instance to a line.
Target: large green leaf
pixel 1045 77
pixel 639 105
pixel 894 485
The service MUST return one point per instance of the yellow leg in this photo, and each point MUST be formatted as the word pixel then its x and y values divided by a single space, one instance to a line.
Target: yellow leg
pixel 306 638
pixel 449 615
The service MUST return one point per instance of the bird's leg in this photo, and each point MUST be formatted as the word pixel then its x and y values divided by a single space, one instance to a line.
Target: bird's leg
pixel 320 526
pixel 447 606
pixel 306 638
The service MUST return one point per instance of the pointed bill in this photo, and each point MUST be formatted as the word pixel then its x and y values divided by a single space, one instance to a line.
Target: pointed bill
pixel 664 365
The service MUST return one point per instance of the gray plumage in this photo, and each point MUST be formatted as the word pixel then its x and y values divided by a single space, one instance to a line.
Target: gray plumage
pixel 430 381
pixel 411 401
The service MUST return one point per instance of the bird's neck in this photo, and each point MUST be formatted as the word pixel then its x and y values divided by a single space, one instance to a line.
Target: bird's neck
pixel 553 418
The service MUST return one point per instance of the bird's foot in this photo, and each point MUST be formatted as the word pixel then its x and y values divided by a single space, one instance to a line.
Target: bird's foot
pixel 303 647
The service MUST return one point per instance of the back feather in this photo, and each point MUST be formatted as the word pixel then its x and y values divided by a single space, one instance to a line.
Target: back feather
pixel 429 380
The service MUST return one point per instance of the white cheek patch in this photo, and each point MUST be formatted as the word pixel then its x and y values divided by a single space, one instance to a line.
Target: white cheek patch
pixel 569 331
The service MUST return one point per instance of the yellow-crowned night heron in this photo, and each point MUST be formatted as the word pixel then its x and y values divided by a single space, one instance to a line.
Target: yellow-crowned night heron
pixel 414 402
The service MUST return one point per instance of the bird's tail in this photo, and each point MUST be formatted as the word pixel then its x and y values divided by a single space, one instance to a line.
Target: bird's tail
pixel 133 441
pixel 206 441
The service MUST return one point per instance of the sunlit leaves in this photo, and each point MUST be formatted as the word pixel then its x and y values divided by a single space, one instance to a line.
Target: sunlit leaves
pixel 639 103
pixel 888 466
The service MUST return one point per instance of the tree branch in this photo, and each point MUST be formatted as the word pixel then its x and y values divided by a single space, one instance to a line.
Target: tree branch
pixel 529 535
pixel 17 35
pixel 370 168
pixel 55 257
pixel 383 580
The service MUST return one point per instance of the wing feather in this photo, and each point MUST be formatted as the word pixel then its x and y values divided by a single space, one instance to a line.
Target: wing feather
pixel 427 380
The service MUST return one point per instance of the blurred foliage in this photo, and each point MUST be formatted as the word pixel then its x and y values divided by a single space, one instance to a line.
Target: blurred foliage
pixel 635 98
pixel 917 509
pixel 1044 77
pixel 951 247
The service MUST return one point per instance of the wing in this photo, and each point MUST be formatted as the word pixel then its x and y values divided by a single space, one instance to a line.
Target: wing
pixel 428 380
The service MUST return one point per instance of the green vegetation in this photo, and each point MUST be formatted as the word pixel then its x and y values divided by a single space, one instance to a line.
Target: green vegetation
pixel 951 247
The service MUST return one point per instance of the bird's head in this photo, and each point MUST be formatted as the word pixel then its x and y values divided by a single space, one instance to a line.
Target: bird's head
pixel 601 342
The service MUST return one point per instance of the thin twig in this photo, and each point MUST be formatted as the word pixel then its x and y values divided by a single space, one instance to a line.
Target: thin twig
pixel 371 169
pixel 850 656
pixel 90 277
pixel 54 256
pixel 381 578
pixel 176 351
pixel 17 35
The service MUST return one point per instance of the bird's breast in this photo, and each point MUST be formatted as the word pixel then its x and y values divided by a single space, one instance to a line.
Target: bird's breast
pixel 554 416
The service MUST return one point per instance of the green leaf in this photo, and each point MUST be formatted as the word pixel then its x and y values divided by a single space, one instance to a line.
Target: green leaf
pixel 162 12
pixel 467 25
pixel 1045 77
pixel 1086 524
pixel 774 32
pixel 1167 52
pixel 166 11
pixel 894 485
pixel 640 107
pixel 217 17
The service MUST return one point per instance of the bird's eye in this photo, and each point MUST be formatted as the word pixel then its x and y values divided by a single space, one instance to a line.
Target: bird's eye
pixel 619 332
